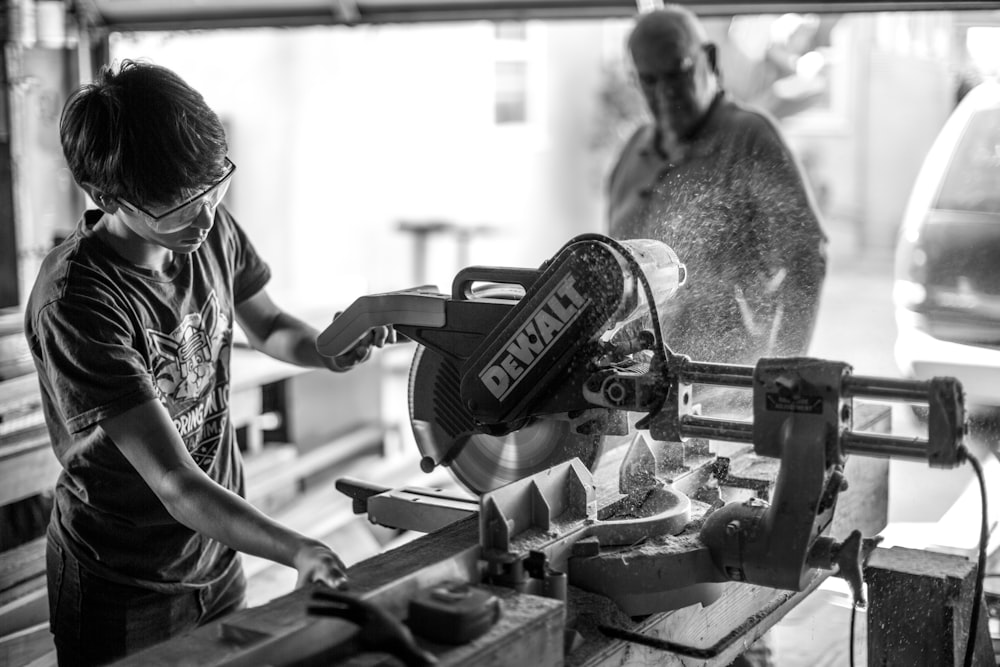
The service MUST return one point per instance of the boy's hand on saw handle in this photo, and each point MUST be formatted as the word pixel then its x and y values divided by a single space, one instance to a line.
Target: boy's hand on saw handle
pixel 360 352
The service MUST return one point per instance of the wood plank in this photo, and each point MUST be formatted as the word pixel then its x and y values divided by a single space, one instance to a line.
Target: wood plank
pixel 21 389
pixel 49 659
pixel 29 470
pixel 259 466
pixel 936 591
pixel 30 646
pixel 250 368
pixel 26 611
pixel 721 631
pixel 26 587
pixel 714 635
pixel 451 553
pixel 321 511
pixel 245 406
pixel 530 627
pixel 22 563
pixel 316 460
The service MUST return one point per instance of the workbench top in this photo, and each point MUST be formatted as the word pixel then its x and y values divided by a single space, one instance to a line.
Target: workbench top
pixel 282 632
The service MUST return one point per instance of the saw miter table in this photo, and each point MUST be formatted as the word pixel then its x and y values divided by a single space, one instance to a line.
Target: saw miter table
pixel 611 519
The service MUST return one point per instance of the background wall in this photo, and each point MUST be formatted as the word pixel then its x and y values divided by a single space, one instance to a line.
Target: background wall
pixel 341 134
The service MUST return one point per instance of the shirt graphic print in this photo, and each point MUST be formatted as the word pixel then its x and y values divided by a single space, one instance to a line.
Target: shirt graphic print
pixel 191 377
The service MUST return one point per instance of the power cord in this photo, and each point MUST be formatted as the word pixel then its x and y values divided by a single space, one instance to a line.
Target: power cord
pixel 984 537
pixel 977 595
pixel 854 617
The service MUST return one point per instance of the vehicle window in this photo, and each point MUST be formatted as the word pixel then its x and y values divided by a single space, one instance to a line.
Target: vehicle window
pixel 972 182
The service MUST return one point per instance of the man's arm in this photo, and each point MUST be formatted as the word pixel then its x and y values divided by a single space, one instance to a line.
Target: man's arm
pixel 283 336
pixel 794 240
pixel 801 298
pixel 146 436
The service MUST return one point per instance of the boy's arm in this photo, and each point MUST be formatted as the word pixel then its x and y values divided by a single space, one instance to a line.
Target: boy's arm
pixel 146 436
pixel 283 336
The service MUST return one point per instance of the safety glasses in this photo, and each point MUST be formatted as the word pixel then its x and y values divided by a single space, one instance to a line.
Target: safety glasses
pixel 183 215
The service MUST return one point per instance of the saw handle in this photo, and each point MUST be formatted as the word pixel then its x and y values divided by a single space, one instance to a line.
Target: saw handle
pixel 359 491
pixel 461 287
pixel 420 306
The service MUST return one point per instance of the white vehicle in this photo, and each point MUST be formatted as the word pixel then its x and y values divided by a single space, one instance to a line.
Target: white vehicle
pixel 947 271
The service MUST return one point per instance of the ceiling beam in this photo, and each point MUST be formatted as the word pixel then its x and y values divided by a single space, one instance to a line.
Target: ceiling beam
pixel 144 15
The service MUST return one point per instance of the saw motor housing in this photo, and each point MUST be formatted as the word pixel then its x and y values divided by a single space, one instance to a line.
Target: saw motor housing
pixel 497 385
pixel 538 358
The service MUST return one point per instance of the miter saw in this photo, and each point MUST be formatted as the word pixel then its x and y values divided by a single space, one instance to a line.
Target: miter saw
pixel 523 378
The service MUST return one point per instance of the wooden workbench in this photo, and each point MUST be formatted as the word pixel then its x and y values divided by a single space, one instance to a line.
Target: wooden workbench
pixel 531 630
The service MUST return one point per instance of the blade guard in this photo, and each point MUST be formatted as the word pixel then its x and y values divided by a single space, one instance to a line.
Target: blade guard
pixel 583 291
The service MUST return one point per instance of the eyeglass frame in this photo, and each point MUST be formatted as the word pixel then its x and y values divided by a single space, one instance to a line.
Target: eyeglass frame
pixel 152 219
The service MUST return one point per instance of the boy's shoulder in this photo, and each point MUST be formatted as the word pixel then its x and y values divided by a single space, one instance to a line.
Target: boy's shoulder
pixel 59 273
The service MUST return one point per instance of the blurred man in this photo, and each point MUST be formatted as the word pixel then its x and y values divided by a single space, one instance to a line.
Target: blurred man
pixel 716 181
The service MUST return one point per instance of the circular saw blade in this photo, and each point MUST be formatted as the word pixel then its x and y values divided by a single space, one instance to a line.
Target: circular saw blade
pixel 447 434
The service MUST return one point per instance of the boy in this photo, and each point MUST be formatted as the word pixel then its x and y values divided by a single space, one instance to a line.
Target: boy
pixel 130 324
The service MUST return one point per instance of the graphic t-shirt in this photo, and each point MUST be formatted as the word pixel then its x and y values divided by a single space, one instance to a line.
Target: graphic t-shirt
pixel 107 335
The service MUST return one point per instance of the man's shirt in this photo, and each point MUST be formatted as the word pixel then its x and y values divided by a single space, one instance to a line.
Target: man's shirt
pixel 738 214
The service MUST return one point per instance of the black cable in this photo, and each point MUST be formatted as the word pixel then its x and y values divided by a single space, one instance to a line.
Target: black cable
pixel 661 350
pixel 647 289
pixel 984 536
pixel 854 616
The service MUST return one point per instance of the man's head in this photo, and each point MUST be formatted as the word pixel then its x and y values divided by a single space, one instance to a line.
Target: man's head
pixel 676 67
pixel 142 139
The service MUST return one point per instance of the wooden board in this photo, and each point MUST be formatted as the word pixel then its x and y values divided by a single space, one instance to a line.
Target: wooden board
pixel 714 635
pixel 21 564
pixel 30 646
pixel 529 632
pixel 921 601
pixel 27 468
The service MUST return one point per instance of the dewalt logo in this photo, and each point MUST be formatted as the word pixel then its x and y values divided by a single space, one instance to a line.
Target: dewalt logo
pixel 536 336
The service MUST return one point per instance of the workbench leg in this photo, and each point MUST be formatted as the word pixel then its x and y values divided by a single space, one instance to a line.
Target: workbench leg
pixel 919 607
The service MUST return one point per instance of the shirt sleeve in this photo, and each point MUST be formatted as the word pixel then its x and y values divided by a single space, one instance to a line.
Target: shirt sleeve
pixel 92 358
pixel 250 272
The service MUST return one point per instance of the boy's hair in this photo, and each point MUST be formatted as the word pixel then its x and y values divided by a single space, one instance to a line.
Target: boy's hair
pixel 142 134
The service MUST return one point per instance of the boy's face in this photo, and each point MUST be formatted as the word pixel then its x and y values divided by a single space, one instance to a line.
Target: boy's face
pixel 175 216
pixel 181 226
pixel 184 240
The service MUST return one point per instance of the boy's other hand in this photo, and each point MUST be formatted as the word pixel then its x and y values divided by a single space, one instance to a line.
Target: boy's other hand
pixel 317 562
